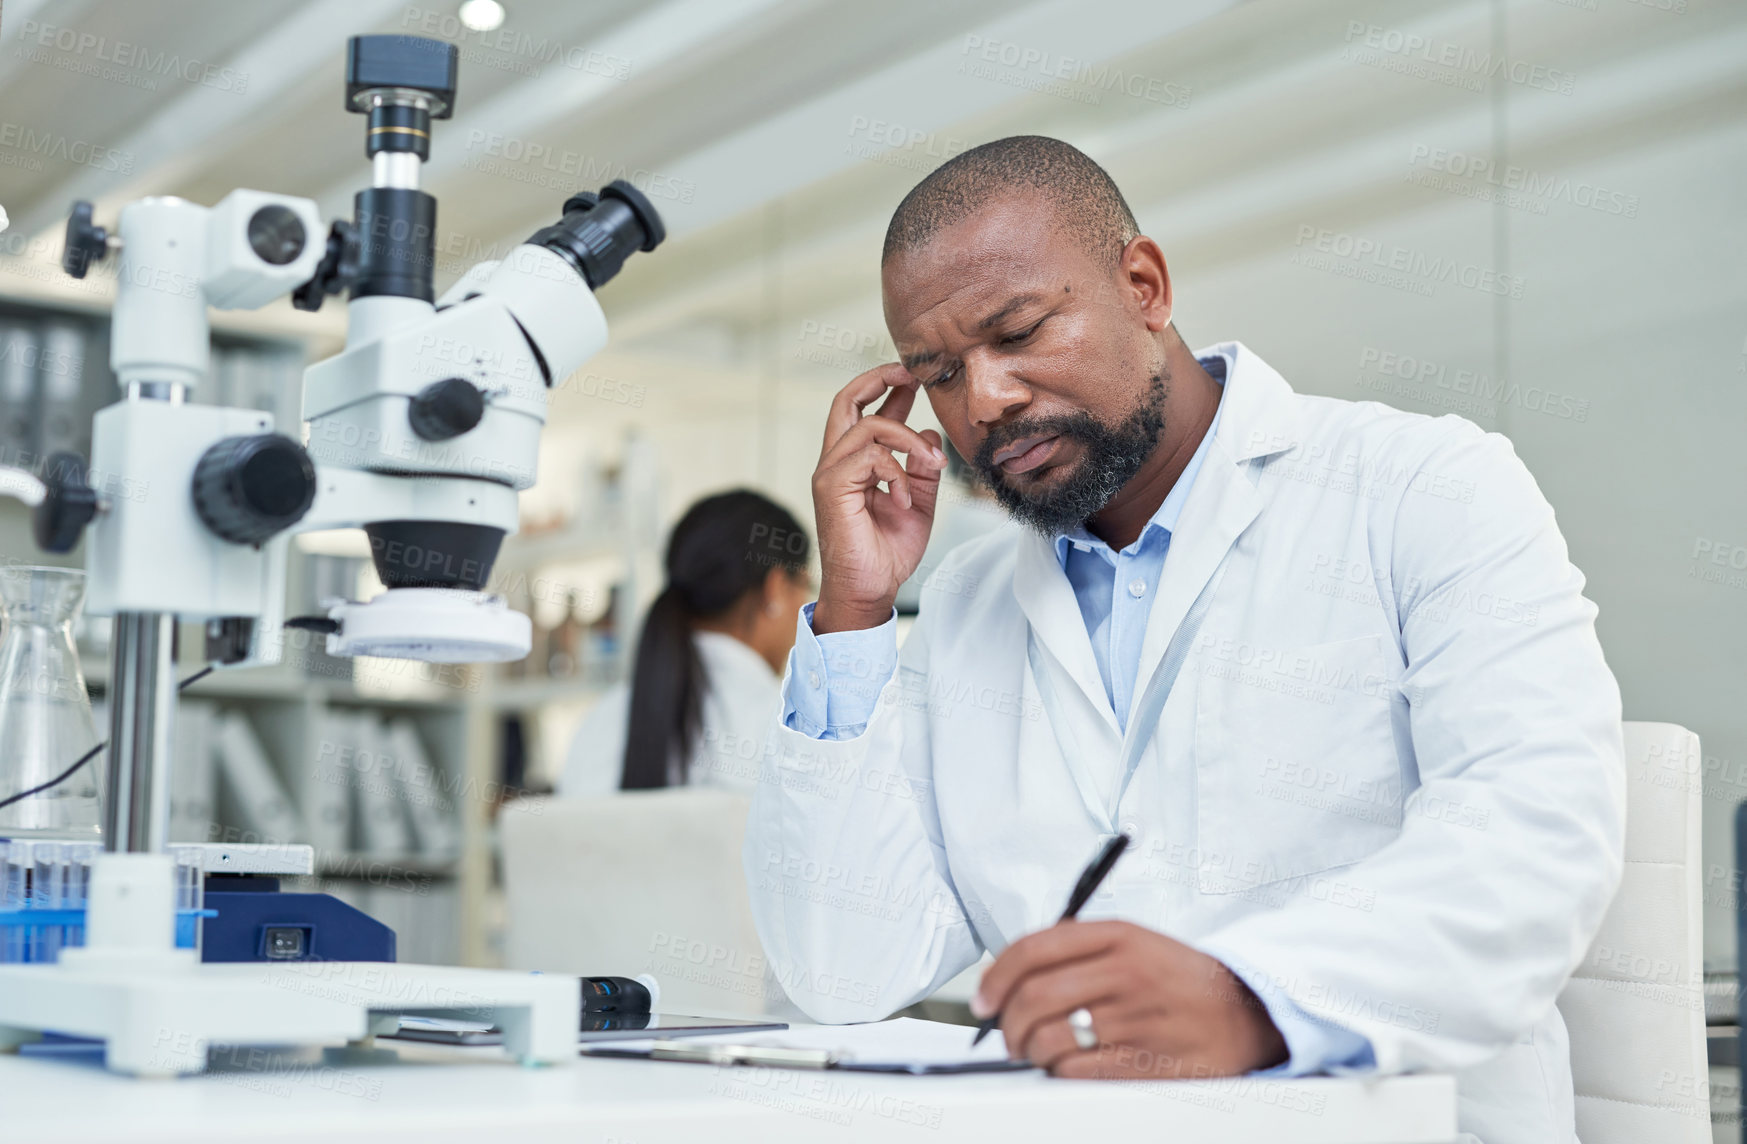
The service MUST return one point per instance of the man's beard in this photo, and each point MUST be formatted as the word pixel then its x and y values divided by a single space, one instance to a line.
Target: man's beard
pixel 1113 455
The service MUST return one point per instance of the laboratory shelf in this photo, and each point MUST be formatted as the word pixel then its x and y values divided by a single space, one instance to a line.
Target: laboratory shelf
pixel 525 694
pixel 290 684
pixel 526 552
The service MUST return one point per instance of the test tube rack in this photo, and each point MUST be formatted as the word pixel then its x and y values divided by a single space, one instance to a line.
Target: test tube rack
pixel 43 891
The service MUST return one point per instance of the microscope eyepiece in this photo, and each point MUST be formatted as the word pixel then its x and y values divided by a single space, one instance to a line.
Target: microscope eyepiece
pixel 598 232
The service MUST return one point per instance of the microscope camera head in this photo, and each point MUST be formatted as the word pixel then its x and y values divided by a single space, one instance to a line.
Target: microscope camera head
pixel 427 425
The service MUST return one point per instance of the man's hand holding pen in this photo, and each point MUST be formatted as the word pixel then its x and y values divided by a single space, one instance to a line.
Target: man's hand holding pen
pixel 1159 1009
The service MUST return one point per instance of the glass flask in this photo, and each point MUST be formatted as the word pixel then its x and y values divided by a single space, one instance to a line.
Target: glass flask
pixel 45 713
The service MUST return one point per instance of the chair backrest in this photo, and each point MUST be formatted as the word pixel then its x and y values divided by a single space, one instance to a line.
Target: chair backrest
pixel 1635 1006
pixel 639 882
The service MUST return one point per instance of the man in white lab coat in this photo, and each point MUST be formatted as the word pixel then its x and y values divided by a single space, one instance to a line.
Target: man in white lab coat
pixel 1328 663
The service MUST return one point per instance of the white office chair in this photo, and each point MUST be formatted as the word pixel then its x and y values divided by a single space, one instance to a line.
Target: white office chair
pixel 1635 1006
pixel 639 882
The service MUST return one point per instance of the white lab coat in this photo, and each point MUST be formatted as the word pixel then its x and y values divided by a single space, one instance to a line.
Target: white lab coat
pixel 1389 776
pixel 740 694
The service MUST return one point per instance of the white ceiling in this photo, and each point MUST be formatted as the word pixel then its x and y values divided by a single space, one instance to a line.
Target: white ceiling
pixel 760 124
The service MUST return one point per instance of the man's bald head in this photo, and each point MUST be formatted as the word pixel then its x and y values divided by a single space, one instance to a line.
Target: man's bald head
pixel 1086 203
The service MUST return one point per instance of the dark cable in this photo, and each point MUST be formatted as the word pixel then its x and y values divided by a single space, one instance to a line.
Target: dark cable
pixel 57 780
pixel 88 755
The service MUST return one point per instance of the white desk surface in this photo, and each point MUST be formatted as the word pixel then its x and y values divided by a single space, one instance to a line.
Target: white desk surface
pixel 435 1095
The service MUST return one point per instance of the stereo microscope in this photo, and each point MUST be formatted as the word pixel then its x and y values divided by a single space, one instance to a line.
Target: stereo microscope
pixel 421 432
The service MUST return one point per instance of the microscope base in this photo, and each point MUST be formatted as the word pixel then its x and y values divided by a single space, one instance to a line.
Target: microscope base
pixel 159 1022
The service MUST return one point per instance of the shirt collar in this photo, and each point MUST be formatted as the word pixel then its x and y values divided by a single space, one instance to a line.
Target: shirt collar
pixel 1164 521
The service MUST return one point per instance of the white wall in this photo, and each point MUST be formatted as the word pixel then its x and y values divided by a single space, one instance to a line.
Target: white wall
pixel 1633 316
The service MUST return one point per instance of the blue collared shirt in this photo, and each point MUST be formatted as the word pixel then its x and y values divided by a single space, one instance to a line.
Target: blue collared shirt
pixel 1115 589
pixel 1115 592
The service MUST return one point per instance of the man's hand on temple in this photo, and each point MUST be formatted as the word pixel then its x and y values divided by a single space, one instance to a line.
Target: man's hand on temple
pixel 871 540
pixel 1159 1008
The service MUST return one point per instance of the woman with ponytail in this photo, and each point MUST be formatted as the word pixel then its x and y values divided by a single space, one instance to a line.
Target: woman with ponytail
pixel 705 685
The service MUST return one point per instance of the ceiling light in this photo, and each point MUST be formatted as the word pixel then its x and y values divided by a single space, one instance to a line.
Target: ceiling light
pixel 481 15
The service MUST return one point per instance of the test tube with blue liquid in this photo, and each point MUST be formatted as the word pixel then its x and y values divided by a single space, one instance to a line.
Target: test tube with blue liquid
pixel 14 887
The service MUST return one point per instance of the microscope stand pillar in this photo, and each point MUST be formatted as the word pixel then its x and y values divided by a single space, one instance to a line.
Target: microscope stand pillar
pixel 142 704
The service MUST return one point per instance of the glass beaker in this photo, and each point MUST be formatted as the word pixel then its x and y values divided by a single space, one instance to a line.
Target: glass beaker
pixel 45 713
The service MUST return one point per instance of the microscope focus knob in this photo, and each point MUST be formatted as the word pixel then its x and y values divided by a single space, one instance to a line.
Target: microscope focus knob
pixel 337 270
pixel 445 409
pixel 248 489
pixel 86 241
pixel 68 504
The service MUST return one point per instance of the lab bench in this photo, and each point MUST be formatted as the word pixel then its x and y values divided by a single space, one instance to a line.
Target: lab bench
pixel 438 1095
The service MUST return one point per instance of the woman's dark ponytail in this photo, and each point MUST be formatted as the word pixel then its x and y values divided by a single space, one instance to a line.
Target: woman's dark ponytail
pixel 666 701
pixel 721 549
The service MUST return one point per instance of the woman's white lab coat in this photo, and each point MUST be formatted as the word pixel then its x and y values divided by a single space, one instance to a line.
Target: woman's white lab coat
pixel 740 695
pixel 1388 779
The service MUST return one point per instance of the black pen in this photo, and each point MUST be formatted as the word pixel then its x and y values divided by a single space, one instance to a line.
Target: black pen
pixel 1088 885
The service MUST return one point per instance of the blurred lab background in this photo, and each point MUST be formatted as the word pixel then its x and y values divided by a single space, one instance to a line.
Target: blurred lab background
pixel 1526 212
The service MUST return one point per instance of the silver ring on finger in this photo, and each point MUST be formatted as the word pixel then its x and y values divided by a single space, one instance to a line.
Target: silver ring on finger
pixel 1080 1021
